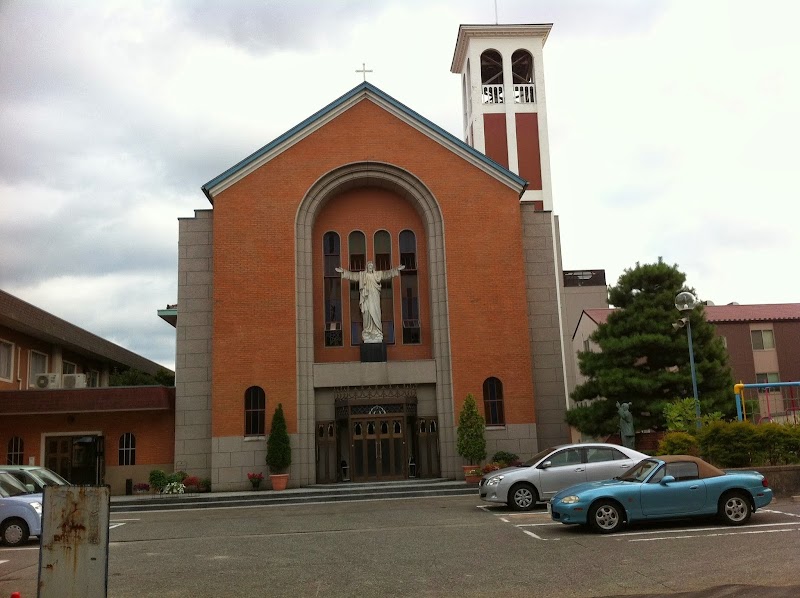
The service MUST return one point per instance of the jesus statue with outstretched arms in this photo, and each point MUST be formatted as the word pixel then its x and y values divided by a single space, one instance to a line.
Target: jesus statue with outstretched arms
pixel 369 286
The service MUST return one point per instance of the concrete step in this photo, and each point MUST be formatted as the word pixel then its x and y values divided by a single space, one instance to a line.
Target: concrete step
pixel 309 494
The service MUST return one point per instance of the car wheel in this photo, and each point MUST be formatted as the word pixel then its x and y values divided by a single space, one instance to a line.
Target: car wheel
pixel 606 516
pixel 734 508
pixel 522 497
pixel 15 532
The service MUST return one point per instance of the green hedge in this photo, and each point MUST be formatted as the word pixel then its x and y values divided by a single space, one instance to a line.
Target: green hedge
pixel 744 444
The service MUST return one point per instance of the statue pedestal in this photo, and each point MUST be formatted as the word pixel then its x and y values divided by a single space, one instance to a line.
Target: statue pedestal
pixel 373 352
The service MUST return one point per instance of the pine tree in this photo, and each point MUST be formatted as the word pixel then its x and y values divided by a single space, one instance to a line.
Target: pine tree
pixel 644 360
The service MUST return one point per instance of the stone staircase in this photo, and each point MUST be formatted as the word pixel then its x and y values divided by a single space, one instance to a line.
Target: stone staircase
pixel 320 493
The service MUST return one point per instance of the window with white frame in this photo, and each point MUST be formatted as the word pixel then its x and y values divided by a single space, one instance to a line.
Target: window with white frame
pixel 68 367
pixel 127 449
pixel 37 365
pixel 762 339
pixel 6 360
pixel 16 451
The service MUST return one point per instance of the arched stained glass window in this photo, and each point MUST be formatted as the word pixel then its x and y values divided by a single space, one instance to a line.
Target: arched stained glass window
pixel 383 261
pixel 409 289
pixel 357 255
pixel 493 402
pixel 332 284
pixel 255 408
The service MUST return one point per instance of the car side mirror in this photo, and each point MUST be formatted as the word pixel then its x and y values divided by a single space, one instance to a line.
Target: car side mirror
pixel 30 488
pixel 546 464
pixel 667 479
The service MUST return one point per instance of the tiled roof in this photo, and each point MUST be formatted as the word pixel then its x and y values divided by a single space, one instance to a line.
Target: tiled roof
pixel 599 314
pixel 763 312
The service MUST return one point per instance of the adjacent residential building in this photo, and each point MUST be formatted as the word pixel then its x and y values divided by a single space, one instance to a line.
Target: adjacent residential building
pixel 763 343
pixel 57 410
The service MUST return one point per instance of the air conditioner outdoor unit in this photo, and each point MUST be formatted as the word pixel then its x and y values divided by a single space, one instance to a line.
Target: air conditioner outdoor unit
pixel 73 381
pixel 44 381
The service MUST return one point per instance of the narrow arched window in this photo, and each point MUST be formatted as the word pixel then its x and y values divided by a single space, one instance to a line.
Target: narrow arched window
pixel 357 255
pixel 493 402
pixel 492 77
pixel 332 284
pixel 255 408
pixel 383 261
pixel 409 289
pixel 522 71
pixel 127 449
pixel 16 451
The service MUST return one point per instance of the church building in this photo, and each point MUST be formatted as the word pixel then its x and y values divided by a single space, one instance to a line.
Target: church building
pixel 449 246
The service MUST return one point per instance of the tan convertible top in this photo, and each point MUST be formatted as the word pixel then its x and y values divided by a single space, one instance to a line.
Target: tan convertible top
pixel 706 470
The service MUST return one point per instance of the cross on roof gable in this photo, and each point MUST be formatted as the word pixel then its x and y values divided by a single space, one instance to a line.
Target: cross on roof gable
pixel 360 92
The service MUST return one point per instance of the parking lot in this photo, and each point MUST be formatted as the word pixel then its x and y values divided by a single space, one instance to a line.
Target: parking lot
pixel 538 526
pixel 447 546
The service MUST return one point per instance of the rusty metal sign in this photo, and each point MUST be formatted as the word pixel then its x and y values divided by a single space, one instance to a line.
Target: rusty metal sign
pixel 73 560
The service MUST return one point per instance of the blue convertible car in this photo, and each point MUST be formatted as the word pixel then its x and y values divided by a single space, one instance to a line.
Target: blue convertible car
pixel 665 487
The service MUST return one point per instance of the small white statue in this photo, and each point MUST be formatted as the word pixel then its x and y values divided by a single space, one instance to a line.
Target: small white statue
pixel 369 285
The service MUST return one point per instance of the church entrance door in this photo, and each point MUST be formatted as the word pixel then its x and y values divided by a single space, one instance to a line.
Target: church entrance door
pixel 378 447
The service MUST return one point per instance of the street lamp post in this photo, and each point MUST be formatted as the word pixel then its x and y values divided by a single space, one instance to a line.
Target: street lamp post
pixel 685 302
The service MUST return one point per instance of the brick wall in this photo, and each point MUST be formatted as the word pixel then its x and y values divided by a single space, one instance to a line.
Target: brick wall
pixel 254 290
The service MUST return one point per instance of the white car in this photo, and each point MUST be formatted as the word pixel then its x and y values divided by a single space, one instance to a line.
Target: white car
pixel 20 511
pixel 553 469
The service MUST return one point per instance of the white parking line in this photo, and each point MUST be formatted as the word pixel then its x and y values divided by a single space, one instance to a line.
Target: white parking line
pixel 538 537
pixel 701 529
pixel 113 525
pixel 778 512
pixel 4 561
pixel 763 531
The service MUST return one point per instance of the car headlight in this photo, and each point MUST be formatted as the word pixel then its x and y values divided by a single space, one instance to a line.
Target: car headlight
pixel 37 506
pixel 569 500
pixel 494 481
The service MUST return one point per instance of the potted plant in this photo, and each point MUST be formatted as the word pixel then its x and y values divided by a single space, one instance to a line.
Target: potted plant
pixel 279 451
pixel 255 479
pixel 141 488
pixel 192 483
pixel 471 442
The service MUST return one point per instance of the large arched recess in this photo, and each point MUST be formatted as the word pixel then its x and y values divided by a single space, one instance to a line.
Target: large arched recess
pixel 397 180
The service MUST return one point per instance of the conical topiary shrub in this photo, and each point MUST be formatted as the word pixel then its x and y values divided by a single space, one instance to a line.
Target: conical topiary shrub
pixel 279 450
pixel 471 442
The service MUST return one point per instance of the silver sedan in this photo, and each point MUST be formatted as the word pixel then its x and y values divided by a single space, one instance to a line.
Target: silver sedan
pixel 553 469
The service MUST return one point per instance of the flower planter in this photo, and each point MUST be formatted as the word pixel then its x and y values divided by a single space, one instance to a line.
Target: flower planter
pixel 279 481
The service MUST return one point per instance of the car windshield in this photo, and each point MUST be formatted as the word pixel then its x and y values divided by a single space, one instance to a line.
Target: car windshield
pixel 640 471
pixel 10 486
pixel 49 478
pixel 539 456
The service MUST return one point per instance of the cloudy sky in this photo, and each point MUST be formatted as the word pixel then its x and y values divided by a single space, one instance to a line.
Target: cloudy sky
pixel 673 131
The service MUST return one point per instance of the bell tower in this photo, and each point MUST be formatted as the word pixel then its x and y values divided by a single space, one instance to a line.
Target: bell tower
pixel 505 118
pixel 503 97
